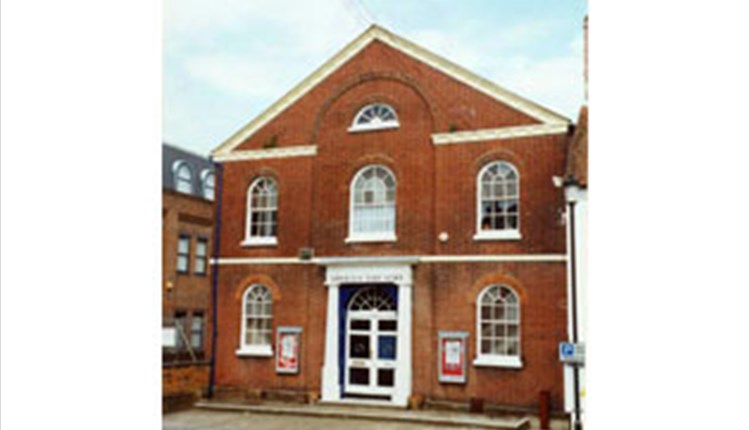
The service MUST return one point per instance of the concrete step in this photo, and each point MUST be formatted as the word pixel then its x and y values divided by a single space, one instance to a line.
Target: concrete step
pixel 375 414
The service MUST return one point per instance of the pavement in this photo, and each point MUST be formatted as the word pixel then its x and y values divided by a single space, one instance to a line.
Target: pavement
pixel 198 419
pixel 272 416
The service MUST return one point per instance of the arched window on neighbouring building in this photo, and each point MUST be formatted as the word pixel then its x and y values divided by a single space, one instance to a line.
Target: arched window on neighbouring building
pixel 183 177
pixel 208 184
pixel 498 194
pixel 262 212
pixel 498 327
pixel 256 321
pixel 375 116
pixel 373 205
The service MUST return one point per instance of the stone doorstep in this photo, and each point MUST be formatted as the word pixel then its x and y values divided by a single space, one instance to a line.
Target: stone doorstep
pixel 376 414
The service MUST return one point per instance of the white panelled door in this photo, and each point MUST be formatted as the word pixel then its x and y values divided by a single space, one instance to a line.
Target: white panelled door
pixel 371 339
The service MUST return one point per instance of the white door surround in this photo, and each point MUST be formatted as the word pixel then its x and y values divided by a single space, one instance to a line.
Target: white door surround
pixel 339 273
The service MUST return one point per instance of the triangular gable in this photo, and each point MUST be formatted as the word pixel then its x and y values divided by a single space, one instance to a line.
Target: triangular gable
pixel 407 47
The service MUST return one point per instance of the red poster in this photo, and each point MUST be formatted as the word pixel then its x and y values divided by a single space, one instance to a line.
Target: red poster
pixel 287 347
pixel 452 366
pixel 453 360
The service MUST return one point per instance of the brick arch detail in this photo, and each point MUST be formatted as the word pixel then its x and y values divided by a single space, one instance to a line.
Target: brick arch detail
pixel 472 294
pixel 371 159
pixel 368 77
pixel 375 98
pixel 500 154
pixel 264 172
pixel 264 280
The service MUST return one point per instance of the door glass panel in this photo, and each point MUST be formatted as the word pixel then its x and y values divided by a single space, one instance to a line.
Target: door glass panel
pixel 359 347
pixel 359 325
pixel 385 377
pixel 387 325
pixel 387 347
pixel 359 376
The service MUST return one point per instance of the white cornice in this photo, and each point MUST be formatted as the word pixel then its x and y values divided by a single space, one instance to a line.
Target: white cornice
pixel 375 32
pixel 499 133
pixel 403 259
pixel 262 154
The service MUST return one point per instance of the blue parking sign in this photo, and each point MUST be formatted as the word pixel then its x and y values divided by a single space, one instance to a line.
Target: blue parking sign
pixel 567 350
pixel 571 352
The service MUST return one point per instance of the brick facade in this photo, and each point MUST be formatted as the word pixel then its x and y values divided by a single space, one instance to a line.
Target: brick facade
pixel 185 375
pixel 186 292
pixel 436 193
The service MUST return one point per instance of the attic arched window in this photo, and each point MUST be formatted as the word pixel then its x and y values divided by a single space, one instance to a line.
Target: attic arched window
pixel 376 116
pixel 208 180
pixel 183 177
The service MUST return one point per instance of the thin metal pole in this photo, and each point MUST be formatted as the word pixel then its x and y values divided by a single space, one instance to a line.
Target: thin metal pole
pixel 577 425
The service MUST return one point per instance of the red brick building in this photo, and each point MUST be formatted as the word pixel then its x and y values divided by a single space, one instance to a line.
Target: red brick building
pixel 388 198
pixel 188 183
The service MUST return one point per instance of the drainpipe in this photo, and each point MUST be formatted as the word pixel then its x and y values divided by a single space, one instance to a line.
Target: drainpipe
pixel 215 278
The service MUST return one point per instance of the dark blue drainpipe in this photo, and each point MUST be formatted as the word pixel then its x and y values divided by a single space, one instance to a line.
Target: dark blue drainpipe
pixel 215 278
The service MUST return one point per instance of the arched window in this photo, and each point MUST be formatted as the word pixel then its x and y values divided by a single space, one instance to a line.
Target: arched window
pixel 375 116
pixel 498 202
pixel 262 201
pixel 256 321
pixel 373 205
pixel 183 177
pixel 372 299
pixel 208 183
pixel 498 327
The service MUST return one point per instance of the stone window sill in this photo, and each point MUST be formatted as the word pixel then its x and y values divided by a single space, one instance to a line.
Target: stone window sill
pixel 498 361
pixel 498 235
pixel 255 351
pixel 366 128
pixel 259 241
pixel 371 238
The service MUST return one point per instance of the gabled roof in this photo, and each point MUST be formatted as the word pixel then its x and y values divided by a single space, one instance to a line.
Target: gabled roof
pixel 407 47
pixel 577 165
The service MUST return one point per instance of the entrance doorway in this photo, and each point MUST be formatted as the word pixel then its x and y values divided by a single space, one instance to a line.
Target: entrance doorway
pixel 370 344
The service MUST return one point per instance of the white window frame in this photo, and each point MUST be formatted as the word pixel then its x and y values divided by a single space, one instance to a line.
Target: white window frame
pixel 187 256
pixel 197 316
pixel 205 174
pixel 506 234
pixel 385 125
pixel 357 237
pixel 254 350
pixel 259 240
pixel 203 258
pixel 176 166
pixel 496 360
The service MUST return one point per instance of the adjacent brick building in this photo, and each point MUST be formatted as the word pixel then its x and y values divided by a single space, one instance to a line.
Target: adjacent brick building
pixel 390 197
pixel 187 236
